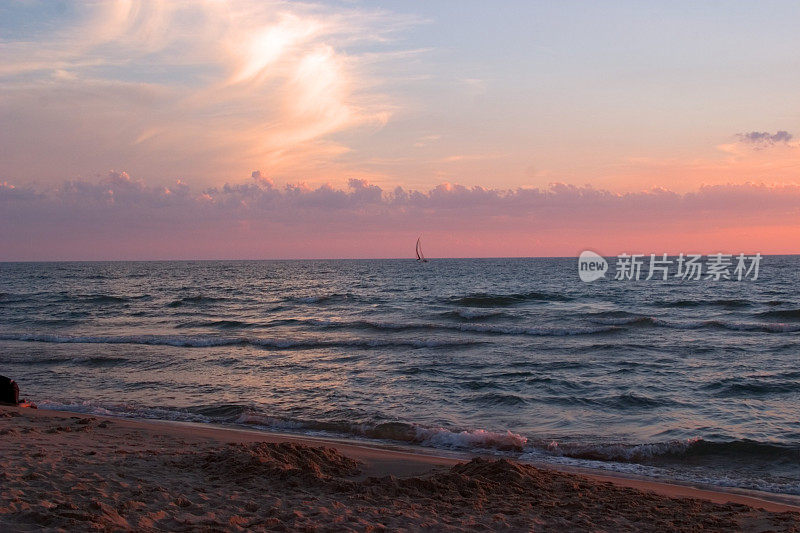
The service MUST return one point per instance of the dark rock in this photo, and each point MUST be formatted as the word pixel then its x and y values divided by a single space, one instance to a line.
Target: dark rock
pixel 9 391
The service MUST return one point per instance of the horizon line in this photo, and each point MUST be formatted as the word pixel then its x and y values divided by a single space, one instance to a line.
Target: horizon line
pixel 11 261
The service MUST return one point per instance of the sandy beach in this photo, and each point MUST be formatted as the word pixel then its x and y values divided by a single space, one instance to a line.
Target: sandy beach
pixel 66 471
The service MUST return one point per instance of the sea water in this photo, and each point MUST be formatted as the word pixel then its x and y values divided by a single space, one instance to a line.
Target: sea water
pixel 687 380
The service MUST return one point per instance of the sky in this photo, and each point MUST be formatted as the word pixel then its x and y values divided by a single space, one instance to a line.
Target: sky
pixel 266 129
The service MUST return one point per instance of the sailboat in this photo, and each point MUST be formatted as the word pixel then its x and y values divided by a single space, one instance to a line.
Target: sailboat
pixel 420 255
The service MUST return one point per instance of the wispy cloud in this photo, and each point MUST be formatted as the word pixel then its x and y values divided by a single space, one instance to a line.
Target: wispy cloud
pixel 205 88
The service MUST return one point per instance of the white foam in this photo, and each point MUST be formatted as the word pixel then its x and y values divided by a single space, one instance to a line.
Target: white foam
pixel 478 438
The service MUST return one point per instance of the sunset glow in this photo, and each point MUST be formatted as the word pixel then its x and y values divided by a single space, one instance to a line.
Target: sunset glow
pixel 343 129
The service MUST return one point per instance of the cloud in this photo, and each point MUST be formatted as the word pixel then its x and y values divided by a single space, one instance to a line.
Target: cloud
pixel 119 216
pixel 204 87
pixel 761 139
pixel 261 199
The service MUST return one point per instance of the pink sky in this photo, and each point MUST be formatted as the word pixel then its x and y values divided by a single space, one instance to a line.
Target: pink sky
pixel 118 217
pixel 250 129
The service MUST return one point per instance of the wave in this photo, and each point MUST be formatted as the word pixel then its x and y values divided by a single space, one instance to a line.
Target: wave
pixel 479 439
pixel 537 332
pixel 763 328
pixel 12 298
pixel 679 449
pixel 100 361
pixel 126 410
pixel 620 318
pixel 784 314
pixel 473 314
pixel 623 401
pixel 438 437
pixel 775 303
pixel 631 399
pixel 731 326
pixel 322 298
pixel 101 299
pixel 495 399
pixel 738 463
pixel 223 324
pixel 467 328
pixel 97 299
pixel 43 322
pixel 633 320
pixel 361 324
pixel 721 302
pixel 92 299
pixel 211 341
pixel 744 387
pixel 619 452
pixel 198 299
pixel 449 438
pixel 611 314
pixel 475 439
pixel 483 299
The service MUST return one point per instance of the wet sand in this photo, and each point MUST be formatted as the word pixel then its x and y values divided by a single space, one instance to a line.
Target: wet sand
pixel 66 471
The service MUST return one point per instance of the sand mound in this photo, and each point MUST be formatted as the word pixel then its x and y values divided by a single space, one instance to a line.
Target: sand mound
pixel 272 460
pixel 501 471
pixel 475 480
pixel 518 495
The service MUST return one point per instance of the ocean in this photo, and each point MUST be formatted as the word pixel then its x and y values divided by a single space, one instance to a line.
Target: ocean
pixel 695 381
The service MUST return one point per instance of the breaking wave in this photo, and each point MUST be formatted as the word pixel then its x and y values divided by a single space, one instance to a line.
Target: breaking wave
pixel 656 454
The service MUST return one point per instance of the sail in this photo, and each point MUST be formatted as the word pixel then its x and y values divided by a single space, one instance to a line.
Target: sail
pixel 420 255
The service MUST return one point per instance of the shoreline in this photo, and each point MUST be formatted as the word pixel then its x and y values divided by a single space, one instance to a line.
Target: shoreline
pixel 153 475
pixel 444 457
pixel 383 458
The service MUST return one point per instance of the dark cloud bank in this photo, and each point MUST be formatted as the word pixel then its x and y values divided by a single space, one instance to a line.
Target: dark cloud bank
pixel 117 208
